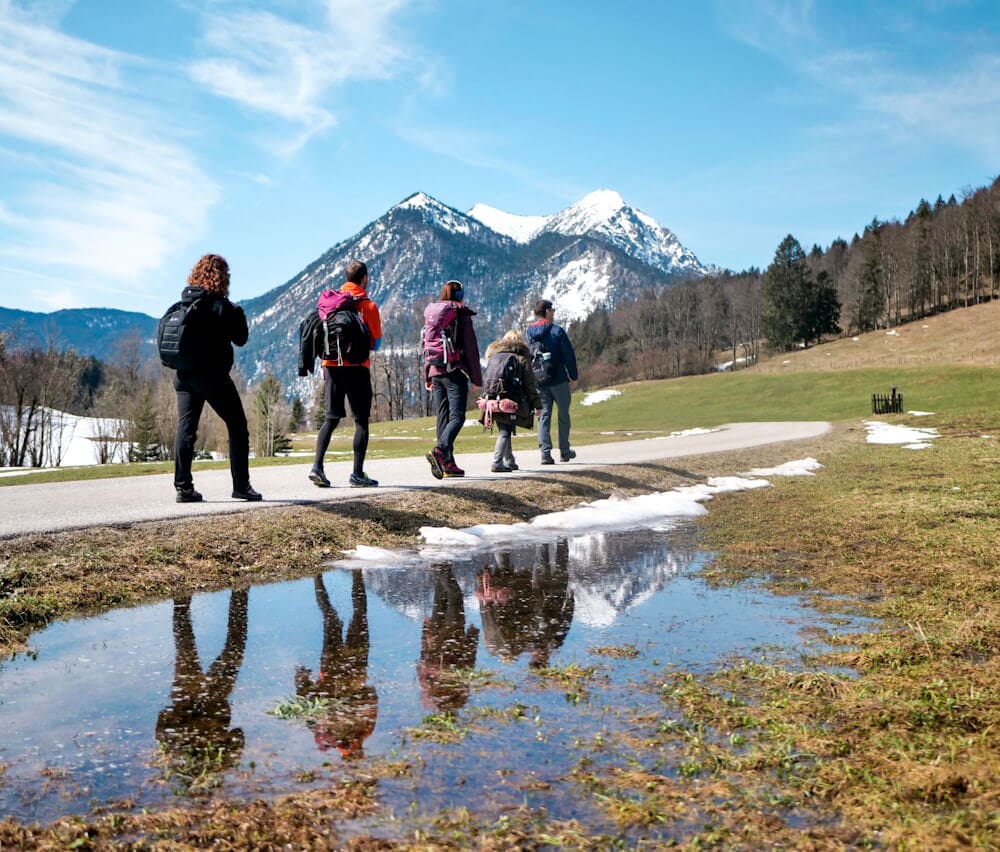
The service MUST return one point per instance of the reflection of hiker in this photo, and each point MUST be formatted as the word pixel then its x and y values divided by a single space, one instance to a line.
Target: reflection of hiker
pixel 197 721
pixel 527 611
pixel 447 647
pixel 343 675
pixel 508 377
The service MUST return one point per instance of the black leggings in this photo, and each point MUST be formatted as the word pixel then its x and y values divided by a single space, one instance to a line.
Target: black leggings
pixel 218 390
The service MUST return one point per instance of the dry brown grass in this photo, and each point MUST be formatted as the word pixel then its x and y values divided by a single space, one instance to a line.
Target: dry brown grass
pixel 968 336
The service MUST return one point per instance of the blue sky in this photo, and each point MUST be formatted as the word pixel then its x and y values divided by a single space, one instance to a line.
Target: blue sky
pixel 135 137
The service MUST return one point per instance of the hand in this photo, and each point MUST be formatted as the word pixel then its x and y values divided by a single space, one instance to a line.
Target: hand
pixel 429 386
pixel 573 383
pixel 538 412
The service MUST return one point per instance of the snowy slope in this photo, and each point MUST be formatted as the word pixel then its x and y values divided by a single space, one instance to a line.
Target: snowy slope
pixel 518 228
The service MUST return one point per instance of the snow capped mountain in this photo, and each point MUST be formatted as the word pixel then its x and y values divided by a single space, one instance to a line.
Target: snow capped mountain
pixel 519 228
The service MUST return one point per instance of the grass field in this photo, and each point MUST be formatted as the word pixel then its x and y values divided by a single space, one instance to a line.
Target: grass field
pixel 889 742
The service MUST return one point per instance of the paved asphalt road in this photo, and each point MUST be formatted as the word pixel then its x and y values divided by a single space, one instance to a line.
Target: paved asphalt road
pixel 46 507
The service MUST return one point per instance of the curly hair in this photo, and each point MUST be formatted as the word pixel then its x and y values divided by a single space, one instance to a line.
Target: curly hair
pixel 212 273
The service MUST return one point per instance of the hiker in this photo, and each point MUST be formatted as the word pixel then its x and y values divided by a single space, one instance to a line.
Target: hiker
pixel 353 328
pixel 219 324
pixel 451 362
pixel 342 679
pixel 508 378
pixel 554 364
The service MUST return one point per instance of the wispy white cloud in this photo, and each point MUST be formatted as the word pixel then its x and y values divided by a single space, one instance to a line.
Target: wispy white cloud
pixel 958 104
pixel 292 69
pixel 99 187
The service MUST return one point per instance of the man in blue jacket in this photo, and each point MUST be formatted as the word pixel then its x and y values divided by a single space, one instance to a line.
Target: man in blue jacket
pixel 556 381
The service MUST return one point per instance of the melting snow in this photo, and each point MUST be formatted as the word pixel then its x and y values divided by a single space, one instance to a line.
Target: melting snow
pixel 910 437
pixel 645 510
pixel 599 396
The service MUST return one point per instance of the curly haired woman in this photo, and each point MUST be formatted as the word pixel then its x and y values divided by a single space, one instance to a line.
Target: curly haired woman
pixel 220 324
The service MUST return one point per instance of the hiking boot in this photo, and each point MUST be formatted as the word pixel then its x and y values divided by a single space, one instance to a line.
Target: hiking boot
pixel 452 469
pixel 319 478
pixel 188 495
pixel 569 455
pixel 511 464
pixel 247 494
pixel 547 458
pixel 501 468
pixel 362 480
pixel 436 458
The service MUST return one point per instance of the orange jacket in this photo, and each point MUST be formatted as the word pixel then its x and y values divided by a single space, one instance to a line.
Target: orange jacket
pixel 371 316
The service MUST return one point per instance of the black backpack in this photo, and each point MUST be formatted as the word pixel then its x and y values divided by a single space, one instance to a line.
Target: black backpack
pixel 502 379
pixel 179 334
pixel 346 339
pixel 541 358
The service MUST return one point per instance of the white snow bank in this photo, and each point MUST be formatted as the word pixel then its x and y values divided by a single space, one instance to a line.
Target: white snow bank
pixel 802 467
pixel 920 413
pixel 599 396
pixel 909 437
pixel 699 430
pixel 612 513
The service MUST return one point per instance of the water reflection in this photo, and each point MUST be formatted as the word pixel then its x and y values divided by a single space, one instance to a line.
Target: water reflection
pixel 82 716
pixel 194 730
pixel 342 679
pixel 526 608
pixel 447 646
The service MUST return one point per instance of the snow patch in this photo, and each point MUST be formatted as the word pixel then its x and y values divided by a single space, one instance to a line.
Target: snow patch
pixel 909 437
pixel 599 396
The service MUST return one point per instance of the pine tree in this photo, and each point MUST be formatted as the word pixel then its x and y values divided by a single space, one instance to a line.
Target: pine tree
pixel 298 417
pixel 145 445
pixel 788 296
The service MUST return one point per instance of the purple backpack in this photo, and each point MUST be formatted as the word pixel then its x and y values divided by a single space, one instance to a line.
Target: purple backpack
pixel 439 337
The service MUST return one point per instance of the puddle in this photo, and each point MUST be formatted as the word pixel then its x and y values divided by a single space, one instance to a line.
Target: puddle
pixel 150 703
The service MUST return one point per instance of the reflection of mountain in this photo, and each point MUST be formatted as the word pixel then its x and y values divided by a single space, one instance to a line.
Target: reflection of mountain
pixel 614 572
pixel 609 573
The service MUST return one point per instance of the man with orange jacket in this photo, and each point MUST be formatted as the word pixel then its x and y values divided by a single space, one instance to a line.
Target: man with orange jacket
pixel 350 379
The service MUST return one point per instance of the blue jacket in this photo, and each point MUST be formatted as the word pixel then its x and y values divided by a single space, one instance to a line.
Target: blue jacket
pixel 563 356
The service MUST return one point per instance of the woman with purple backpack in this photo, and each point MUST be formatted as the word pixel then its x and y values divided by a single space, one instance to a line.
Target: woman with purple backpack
pixel 451 363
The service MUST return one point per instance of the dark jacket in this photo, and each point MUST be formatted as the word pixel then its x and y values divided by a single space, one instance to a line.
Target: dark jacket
pixel 563 356
pixel 225 324
pixel 530 399
pixel 310 342
pixel 468 345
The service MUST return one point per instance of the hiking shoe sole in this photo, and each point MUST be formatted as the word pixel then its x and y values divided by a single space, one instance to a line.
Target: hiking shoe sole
pixel 436 470
pixel 318 478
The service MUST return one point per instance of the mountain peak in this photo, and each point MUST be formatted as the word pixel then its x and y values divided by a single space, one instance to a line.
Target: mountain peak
pixel 420 201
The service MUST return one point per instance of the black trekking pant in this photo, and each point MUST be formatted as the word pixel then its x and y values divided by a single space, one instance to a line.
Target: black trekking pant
pixel 355 385
pixel 449 396
pixel 217 389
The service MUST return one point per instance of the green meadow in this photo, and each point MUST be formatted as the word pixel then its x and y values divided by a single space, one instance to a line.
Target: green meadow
pixel 960 392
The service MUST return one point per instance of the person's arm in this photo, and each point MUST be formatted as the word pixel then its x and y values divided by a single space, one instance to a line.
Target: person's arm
pixel 568 355
pixel 236 323
pixel 372 318
pixel 470 351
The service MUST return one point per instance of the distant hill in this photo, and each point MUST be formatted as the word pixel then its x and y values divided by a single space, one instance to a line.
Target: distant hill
pixel 87 331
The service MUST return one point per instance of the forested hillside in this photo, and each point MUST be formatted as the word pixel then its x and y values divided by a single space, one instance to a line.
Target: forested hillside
pixel 943 255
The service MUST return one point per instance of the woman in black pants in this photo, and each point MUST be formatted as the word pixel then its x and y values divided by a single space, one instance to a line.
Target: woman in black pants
pixel 451 363
pixel 217 324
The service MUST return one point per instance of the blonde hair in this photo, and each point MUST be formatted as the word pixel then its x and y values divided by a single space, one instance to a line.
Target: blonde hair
pixel 514 336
